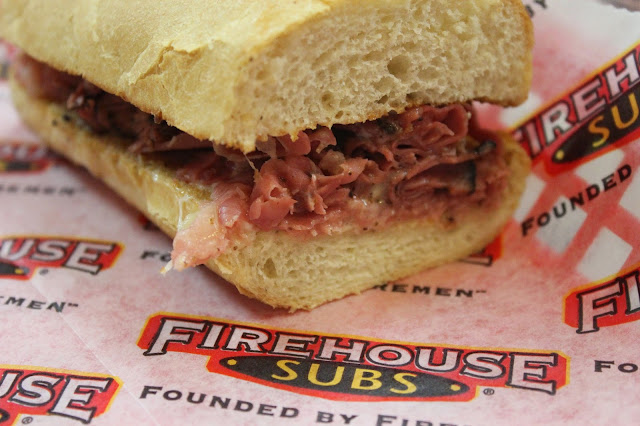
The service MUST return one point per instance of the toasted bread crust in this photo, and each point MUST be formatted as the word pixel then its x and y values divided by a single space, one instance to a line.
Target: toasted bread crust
pixel 276 268
pixel 235 71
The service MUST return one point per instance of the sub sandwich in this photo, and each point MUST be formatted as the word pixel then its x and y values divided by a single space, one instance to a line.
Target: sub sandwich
pixel 302 150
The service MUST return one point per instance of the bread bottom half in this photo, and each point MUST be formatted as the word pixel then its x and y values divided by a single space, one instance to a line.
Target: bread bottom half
pixel 276 268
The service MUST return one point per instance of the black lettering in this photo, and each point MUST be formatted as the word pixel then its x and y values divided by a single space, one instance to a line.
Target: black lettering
pixel 544 219
pixel 557 214
pixel 599 365
pixel 67 191
pixel 443 291
pixel 419 289
pixel 347 419
pixel 289 412
pixel 526 226
pixel 592 192
pixel 384 419
pixel 172 395
pixel 628 368
pixel 14 301
pixel 577 199
pixel 624 172
pixel 266 410
pixel 148 253
pixel 56 306
pixel 608 182
pixel 399 288
pixel 461 292
pixel 200 399
pixel 243 406
pixel 149 390
pixel 216 400
pixel 34 304
pixel 323 417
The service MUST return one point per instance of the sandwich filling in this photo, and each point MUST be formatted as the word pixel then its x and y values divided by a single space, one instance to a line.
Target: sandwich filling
pixel 426 162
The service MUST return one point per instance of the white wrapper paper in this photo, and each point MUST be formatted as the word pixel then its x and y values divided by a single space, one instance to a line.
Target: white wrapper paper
pixel 541 328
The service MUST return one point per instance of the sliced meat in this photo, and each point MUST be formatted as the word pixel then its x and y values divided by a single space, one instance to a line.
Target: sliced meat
pixel 424 162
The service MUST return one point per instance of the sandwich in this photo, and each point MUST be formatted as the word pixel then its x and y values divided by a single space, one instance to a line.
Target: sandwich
pixel 303 151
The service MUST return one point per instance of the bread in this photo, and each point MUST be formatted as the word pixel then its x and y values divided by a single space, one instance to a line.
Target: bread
pixel 236 71
pixel 276 268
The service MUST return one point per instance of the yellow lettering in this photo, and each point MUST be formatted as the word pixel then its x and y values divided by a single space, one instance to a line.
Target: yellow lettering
pixel 372 375
pixel 400 378
pixel 599 130
pixel 615 111
pixel 283 364
pixel 313 376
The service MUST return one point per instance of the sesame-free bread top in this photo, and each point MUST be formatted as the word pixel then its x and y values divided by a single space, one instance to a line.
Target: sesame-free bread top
pixel 235 71
pixel 277 268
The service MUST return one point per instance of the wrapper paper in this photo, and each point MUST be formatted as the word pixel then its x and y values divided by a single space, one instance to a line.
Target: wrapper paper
pixel 540 328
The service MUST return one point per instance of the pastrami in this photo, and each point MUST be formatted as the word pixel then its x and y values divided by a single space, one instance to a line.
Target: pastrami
pixel 420 163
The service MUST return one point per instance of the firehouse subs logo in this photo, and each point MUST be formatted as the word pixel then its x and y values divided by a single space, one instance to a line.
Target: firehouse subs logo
pixel 43 391
pixel 21 256
pixel 350 368
pixel 601 114
pixel 24 158
pixel 613 301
